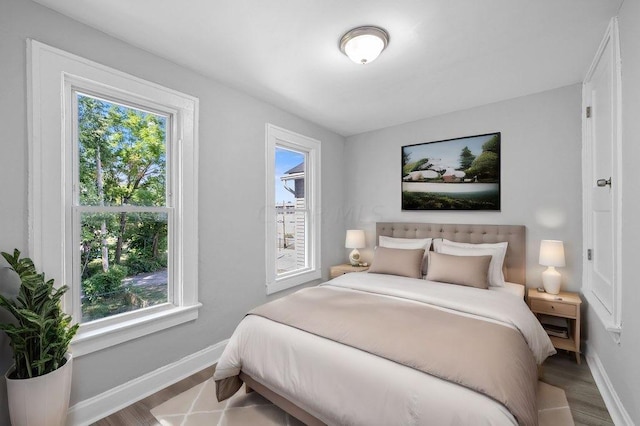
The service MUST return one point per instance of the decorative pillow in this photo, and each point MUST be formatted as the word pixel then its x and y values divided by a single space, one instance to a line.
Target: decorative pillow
pixel 501 249
pixel 403 262
pixel 471 271
pixel 496 277
pixel 408 244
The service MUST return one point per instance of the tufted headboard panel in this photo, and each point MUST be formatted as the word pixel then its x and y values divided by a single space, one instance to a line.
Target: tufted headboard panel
pixel 515 259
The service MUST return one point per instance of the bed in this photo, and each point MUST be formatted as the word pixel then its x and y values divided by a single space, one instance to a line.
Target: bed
pixel 348 366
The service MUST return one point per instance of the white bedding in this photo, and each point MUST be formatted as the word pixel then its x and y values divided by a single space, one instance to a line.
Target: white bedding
pixel 342 385
pixel 511 288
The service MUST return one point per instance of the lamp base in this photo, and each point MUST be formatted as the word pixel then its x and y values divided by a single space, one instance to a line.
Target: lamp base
pixel 551 280
pixel 354 257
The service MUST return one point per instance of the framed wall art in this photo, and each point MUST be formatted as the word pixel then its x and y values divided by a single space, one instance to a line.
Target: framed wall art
pixel 452 174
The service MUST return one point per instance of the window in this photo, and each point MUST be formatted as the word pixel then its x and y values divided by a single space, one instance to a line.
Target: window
pixel 121 207
pixel 113 208
pixel 293 209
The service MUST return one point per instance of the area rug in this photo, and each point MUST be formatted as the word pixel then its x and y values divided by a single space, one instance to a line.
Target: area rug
pixel 198 406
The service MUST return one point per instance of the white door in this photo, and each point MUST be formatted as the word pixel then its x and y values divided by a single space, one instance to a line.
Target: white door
pixel 601 97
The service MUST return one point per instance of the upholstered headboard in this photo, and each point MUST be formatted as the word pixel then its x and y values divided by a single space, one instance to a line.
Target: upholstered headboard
pixel 515 235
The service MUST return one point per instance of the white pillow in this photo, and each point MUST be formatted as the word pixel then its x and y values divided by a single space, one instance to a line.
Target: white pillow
pixel 408 244
pixel 496 250
pixel 437 244
pixel 502 245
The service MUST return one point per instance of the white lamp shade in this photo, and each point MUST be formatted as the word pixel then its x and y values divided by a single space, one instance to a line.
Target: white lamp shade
pixel 355 239
pixel 551 253
pixel 364 49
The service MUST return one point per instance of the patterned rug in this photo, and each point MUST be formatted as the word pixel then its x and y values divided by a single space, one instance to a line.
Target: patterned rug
pixel 198 406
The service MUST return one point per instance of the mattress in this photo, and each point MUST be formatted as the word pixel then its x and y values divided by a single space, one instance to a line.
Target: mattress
pixel 339 384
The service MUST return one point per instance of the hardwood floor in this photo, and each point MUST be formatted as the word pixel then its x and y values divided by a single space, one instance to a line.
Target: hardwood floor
pixel 561 370
pixel 585 401
pixel 139 413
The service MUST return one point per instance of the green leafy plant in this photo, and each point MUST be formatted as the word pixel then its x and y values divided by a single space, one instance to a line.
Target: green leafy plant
pixel 42 332
pixel 137 264
pixel 104 283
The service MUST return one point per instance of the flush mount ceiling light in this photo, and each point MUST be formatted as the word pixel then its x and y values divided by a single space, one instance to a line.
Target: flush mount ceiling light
pixel 363 44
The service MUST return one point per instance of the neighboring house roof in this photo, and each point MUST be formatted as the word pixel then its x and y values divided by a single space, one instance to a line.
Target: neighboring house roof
pixel 294 174
pixel 297 169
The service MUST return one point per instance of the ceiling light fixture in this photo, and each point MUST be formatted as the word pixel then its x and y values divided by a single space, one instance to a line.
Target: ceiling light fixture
pixel 363 44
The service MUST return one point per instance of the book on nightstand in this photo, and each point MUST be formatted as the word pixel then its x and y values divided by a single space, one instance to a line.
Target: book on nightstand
pixel 555 326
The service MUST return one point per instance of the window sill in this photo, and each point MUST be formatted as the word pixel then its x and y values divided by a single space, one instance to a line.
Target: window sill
pixel 605 318
pixel 292 281
pixel 89 340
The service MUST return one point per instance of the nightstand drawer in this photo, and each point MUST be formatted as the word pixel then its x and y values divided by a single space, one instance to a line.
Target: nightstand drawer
pixel 553 308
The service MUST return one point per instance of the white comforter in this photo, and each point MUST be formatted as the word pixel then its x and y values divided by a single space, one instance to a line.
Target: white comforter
pixel 342 385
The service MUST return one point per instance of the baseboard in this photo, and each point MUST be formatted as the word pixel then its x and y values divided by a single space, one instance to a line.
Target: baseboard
pixel 617 411
pixel 95 408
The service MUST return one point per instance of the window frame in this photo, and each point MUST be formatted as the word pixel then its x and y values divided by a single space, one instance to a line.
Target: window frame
pixel 54 77
pixel 277 137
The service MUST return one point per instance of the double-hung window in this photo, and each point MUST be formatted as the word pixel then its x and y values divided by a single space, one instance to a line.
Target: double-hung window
pixel 113 208
pixel 293 209
pixel 122 210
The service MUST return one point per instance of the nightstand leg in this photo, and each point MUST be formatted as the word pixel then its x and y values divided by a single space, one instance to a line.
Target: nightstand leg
pixel 578 357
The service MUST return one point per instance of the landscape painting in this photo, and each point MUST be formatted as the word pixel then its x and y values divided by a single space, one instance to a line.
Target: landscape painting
pixel 453 174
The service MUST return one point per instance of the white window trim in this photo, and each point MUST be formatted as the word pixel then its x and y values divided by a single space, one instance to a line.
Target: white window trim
pixel 612 321
pixel 52 73
pixel 279 137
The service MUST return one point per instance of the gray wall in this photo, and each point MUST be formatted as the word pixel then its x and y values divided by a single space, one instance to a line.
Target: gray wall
pixel 541 173
pixel 621 361
pixel 231 197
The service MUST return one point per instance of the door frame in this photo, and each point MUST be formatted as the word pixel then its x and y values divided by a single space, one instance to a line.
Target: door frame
pixel 612 321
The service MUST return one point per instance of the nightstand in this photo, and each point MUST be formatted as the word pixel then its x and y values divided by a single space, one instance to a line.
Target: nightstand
pixel 346 268
pixel 563 305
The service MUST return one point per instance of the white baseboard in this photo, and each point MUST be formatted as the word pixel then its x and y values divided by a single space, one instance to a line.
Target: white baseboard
pixel 617 411
pixel 95 408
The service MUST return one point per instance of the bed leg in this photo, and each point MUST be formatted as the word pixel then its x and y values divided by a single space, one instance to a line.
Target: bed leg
pixel 248 388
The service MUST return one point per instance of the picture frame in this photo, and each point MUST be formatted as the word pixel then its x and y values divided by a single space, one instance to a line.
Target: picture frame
pixel 452 174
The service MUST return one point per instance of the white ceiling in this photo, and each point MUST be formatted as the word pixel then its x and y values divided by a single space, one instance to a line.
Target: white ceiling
pixel 443 55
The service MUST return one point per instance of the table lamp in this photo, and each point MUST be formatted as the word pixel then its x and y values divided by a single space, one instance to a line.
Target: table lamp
pixel 551 255
pixel 355 240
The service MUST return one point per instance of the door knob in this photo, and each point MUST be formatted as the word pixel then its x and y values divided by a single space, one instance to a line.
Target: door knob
pixel 603 182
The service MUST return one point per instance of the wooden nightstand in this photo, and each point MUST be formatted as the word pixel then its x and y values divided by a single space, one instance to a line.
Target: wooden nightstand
pixel 346 268
pixel 563 305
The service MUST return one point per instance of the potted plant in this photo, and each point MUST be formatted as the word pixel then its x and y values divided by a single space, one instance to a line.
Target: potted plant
pixel 39 384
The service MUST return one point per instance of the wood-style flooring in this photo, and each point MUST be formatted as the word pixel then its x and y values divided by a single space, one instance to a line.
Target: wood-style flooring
pixel 561 370
pixel 139 413
pixel 585 401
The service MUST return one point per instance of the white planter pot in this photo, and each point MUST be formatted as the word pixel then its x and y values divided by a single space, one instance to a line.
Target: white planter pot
pixel 41 401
